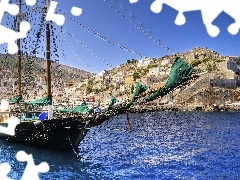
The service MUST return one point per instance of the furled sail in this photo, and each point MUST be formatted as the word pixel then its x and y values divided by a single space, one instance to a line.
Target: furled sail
pixel 113 100
pixel 139 88
pixel 40 102
pixel 82 109
pixel 180 72
pixel 15 100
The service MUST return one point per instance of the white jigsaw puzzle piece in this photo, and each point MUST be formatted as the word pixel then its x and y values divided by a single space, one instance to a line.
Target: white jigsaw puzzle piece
pixel 76 11
pixel 4 170
pixel 31 171
pixel 133 1
pixel 7 35
pixel 231 7
pixel 12 123
pixel 51 16
pixel 31 2
pixel 210 10
pixel 4 105
pixel 12 9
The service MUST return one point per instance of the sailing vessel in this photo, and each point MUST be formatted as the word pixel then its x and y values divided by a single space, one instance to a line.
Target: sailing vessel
pixel 57 133
pixel 66 128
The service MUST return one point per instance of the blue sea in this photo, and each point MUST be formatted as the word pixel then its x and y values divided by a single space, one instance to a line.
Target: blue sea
pixel 160 145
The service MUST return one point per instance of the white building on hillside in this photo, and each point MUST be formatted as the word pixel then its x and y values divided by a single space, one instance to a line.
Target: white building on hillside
pixel 100 76
pixel 121 73
pixel 162 73
pixel 118 78
pixel 144 62
pixel 122 88
pixel 106 80
pixel 164 62
pixel 149 80
pixel 155 71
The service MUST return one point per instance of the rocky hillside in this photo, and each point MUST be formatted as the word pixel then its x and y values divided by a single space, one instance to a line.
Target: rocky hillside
pixel 198 57
pixel 35 67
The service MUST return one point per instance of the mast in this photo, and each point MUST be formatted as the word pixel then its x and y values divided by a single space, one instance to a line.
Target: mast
pixel 48 64
pixel 19 51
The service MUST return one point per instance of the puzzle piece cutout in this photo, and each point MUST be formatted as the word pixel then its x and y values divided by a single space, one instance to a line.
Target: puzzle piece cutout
pixel 4 105
pixel 4 170
pixel 231 7
pixel 12 121
pixel 51 16
pixel 31 171
pixel 76 11
pixel 7 35
pixel 210 10
pixel 12 9
pixel 133 1
pixel 10 129
pixel 31 2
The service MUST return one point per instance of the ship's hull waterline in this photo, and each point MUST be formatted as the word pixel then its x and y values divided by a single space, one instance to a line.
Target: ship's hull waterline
pixel 57 134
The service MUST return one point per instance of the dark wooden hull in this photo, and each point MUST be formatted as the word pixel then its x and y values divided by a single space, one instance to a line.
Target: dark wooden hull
pixel 57 134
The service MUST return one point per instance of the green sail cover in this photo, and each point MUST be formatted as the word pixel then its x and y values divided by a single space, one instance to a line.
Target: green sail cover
pixel 29 119
pixel 82 108
pixel 41 102
pixel 139 88
pixel 180 72
pixel 15 99
pixel 113 101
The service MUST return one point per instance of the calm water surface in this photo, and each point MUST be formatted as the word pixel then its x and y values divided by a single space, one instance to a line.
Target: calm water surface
pixel 162 145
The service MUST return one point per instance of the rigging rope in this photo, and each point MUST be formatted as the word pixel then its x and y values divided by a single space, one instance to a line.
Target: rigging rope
pixel 64 57
pixel 101 36
pixel 55 65
pixel 88 49
pixel 148 33
pixel 62 50
pixel 74 52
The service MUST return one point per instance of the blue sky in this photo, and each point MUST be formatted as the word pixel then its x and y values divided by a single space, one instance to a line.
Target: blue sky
pixel 102 19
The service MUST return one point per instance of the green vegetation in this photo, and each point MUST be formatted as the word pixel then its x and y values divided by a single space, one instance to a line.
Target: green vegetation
pixel 209 68
pixel 95 90
pixel 218 60
pixel 150 66
pixel 197 62
pixel 136 75
pixel 128 92
pixel 237 61
pixel 89 87
pixel 114 72
pixel 83 85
